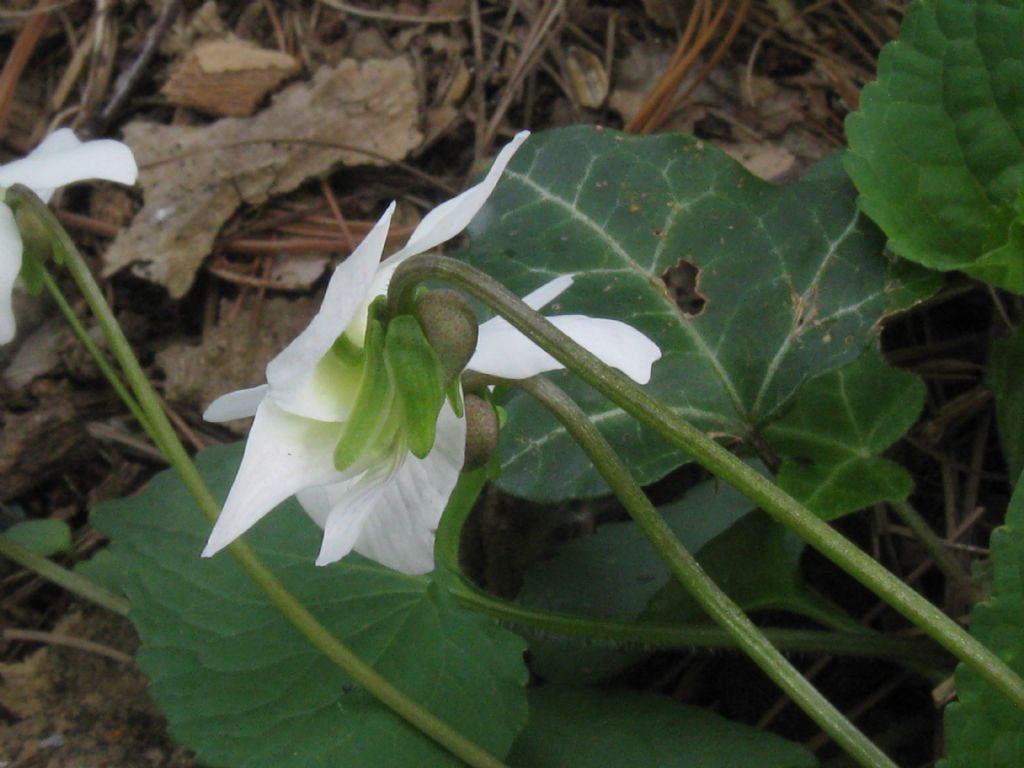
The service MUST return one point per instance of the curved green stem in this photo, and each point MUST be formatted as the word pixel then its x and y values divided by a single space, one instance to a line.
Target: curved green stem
pixel 718 605
pixel 62 577
pixel 166 439
pixel 921 653
pixel 621 390
pixel 90 346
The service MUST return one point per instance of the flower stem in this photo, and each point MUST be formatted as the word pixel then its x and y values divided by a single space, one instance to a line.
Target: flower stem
pixel 62 577
pixel 922 654
pixel 90 346
pixel 718 605
pixel 166 439
pixel 623 391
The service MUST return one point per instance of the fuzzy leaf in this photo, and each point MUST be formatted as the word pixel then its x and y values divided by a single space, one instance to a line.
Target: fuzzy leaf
pixel 241 687
pixel 935 148
pixel 982 727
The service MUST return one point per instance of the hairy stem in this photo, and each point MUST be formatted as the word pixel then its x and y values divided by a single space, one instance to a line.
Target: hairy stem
pixel 621 390
pixel 718 605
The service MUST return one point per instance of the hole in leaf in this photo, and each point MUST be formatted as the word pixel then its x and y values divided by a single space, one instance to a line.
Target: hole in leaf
pixel 682 284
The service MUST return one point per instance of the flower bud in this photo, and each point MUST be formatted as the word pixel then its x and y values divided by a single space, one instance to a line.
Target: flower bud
pixel 451 328
pixel 481 432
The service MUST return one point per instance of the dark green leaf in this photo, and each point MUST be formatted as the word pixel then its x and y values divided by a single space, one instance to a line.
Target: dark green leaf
pixel 779 283
pixel 1006 378
pixel 839 425
pixel 584 728
pixel 243 688
pixel 982 727
pixel 757 563
pixel 935 149
pixel 614 573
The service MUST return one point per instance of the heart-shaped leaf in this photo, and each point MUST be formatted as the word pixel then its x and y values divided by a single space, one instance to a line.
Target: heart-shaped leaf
pixel 839 425
pixel 935 148
pixel 747 288
pixel 242 687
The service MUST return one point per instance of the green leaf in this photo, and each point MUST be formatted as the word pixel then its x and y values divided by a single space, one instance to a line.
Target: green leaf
pixel 792 280
pixel 832 438
pixel 44 537
pixel 935 149
pixel 614 573
pixel 243 688
pixel 982 727
pixel 757 563
pixel 594 729
pixel 1006 378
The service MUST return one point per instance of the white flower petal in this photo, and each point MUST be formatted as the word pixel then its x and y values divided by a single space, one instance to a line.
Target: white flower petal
pixel 59 161
pixel 284 453
pixel 400 532
pixel 548 292
pixel 504 352
pixel 293 374
pixel 10 266
pixel 451 217
pixel 240 404
pixel 341 510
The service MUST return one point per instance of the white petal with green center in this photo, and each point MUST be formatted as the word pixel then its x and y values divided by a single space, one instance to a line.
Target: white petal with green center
pixel 284 454
pixel 504 352
pixel 10 266
pixel 296 383
pixel 391 516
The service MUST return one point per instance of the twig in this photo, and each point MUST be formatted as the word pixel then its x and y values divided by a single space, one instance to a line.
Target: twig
pixel 19 55
pixel 52 638
pixel 127 83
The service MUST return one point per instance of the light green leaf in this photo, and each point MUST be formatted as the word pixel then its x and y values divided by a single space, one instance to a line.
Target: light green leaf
pixel 243 688
pixel 791 278
pixel 982 727
pixel 44 537
pixel 840 423
pixel 935 148
pixel 1006 378
pixel 585 728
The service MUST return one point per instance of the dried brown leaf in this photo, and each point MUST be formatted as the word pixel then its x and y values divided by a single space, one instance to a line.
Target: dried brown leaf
pixel 228 77
pixel 194 178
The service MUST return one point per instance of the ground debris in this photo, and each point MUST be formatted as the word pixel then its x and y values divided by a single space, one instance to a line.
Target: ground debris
pixel 235 352
pixel 194 178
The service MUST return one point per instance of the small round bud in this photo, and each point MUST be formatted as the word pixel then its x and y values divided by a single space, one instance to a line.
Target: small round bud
pixel 35 235
pixel 450 326
pixel 481 432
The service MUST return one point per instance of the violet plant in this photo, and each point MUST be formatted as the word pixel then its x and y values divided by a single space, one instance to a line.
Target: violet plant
pixel 361 635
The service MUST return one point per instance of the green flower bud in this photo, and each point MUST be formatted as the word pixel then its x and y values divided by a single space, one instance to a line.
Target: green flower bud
pixel 451 328
pixel 481 432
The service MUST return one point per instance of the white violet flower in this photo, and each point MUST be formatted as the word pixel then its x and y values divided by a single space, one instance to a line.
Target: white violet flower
pixel 386 507
pixel 60 159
